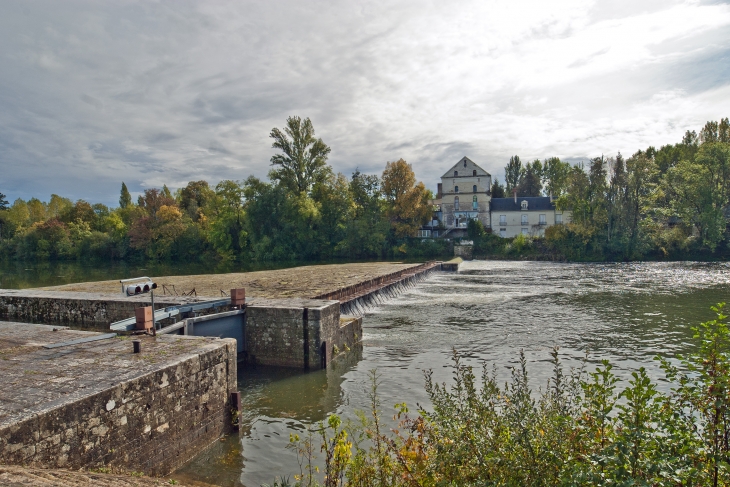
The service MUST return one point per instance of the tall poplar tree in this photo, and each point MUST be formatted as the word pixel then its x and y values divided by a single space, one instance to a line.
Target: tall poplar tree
pixel 512 173
pixel 125 199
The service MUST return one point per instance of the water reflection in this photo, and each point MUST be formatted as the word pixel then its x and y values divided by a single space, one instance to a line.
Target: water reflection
pixel 627 313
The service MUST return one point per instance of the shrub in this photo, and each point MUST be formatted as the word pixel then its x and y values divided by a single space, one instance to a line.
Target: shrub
pixel 580 430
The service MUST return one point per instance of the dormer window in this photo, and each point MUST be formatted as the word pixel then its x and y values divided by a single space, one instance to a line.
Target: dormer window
pixel 456 173
pixel 524 204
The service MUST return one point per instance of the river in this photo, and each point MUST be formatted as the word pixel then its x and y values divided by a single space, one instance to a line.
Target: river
pixel 627 313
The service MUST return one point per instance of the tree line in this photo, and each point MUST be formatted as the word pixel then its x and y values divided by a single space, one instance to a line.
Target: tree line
pixel 303 212
pixel 671 202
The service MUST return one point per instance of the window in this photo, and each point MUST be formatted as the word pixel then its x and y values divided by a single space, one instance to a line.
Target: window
pixel 502 219
pixel 543 221
pixel 456 189
pixel 503 232
pixel 456 204
pixel 464 162
pixel 474 188
pixel 456 173
pixel 524 219
pixel 524 231
pixel 474 203
pixel 558 218
pixel 474 172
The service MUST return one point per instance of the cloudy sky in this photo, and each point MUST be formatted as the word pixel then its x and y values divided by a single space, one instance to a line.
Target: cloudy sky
pixel 151 93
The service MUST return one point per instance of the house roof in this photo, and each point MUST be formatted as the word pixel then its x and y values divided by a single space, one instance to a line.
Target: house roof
pixel 465 171
pixel 534 203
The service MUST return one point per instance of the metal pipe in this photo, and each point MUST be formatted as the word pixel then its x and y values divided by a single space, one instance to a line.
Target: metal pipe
pixel 137 346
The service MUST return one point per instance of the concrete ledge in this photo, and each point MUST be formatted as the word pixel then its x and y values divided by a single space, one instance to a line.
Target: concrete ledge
pixel 97 404
pixel 75 308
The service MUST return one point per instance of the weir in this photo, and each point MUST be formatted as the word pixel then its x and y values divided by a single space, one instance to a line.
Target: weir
pixel 80 399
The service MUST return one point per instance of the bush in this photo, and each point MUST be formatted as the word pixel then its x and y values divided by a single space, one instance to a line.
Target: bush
pixel 581 430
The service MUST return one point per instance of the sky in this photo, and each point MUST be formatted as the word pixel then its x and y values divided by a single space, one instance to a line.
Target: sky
pixel 165 92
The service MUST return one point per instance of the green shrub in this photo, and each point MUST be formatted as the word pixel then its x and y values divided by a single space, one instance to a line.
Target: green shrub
pixel 580 430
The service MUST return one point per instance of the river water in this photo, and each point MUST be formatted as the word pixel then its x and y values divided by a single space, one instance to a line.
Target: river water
pixel 627 313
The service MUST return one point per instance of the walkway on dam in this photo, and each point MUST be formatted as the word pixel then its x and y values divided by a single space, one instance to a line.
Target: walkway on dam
pixel 302 282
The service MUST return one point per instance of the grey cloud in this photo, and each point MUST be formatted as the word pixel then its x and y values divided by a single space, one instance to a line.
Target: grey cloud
pixel 92 94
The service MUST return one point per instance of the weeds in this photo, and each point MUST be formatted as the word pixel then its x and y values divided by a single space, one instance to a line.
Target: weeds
pixel 580 430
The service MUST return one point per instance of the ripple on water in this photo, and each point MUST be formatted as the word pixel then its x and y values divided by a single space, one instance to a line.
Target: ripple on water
pixel 627 313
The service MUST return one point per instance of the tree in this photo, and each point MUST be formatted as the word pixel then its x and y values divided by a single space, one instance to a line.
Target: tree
pixel 555 176
pixel 497 189
pixel 530 182
pixel 512 173
pixel 723 133
pixel 3 206
pixel 408 205
pixel 304 159
pixel 195 197
pixel 125 199
pixel 367 231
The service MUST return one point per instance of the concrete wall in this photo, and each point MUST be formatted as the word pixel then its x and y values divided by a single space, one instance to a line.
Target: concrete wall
pixel 463 251
pixel 152 423
pixel 295 332
pixel 92 310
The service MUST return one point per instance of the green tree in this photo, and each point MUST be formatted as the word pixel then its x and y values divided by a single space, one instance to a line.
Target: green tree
pixel 368 230
pixel 512 173
pixel 3 202
pixel 555 176
pixel 304 159
pixel 531 180
pixel 195 197
pixel 497 189
pixel 125 199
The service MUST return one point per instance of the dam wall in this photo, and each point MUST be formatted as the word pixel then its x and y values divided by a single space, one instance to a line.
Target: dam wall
pixel 97 404
pixel 88 310
pixel 357 303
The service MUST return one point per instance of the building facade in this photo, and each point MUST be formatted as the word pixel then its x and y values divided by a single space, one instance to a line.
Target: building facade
pixel 464 194
pixel 526 215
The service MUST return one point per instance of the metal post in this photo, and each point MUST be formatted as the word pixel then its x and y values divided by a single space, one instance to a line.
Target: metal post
pixel 154 323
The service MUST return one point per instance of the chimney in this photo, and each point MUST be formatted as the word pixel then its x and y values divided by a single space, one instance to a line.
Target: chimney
pixel 515 193
pixel 551 197
pixel 438 191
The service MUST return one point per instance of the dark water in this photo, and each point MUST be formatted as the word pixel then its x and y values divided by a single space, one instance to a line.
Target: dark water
pixel 627 313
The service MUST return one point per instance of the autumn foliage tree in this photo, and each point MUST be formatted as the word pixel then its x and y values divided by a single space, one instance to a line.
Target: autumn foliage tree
pixel 408 205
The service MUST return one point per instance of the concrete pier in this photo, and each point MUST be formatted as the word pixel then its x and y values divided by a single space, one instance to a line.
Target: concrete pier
pixel 89 310
pixel 97 404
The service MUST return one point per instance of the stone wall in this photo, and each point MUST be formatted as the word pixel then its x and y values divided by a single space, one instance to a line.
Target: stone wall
pixel 295 332
pixel 90 310
pixel 152 422
pixel 463 251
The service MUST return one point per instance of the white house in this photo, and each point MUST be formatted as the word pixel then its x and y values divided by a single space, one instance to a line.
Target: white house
pixel 525 215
